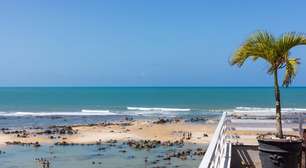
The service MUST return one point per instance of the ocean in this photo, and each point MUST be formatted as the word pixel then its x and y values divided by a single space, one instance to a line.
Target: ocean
pixel 45 106
pixel 41 106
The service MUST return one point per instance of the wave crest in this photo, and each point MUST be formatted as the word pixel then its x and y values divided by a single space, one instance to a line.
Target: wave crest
pixel 266 110
pixel 157 109
pixel 82 113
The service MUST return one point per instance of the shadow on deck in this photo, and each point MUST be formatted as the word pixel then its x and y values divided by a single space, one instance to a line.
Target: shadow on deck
pixel 247 156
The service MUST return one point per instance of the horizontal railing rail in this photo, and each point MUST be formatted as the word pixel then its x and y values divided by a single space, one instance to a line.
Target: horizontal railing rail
pixel 265 121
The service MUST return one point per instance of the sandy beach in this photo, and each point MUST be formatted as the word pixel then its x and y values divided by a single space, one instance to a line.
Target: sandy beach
pixel 154 142
pixel 120 131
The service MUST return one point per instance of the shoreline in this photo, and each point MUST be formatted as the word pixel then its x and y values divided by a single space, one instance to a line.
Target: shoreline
pixel 158 130
pixel 134 143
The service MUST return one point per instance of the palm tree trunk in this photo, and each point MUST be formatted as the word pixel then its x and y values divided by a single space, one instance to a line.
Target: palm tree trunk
pixel 278 115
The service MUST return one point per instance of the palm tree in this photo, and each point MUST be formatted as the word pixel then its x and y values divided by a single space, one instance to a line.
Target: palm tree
pixel 276 51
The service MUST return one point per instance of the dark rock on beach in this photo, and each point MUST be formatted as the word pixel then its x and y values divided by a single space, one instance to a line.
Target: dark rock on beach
pixel 43 162
pixel 36 144
pixel 164 121
pixel 197 119
pixel 62 130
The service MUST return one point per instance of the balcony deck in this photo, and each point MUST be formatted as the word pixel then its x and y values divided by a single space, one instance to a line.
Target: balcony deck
pixel 234 142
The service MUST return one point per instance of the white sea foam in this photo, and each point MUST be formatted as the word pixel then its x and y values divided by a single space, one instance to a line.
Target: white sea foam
pixel 219 110
pixel 157 109
pixel 266 110
pixel 151 113
pixel 82 113
pixel 154 111
pixel 95 111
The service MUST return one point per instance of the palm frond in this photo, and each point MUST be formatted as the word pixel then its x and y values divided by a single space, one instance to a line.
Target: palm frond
pixel 289 40
pixel 276 52
pixel 291 70
pixel 259 45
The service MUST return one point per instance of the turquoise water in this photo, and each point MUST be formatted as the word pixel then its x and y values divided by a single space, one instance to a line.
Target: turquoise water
pixel 74 99
pixel 76 104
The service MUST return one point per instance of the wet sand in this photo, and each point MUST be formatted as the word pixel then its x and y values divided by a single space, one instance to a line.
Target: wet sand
pixel 139 143
pixel 198 133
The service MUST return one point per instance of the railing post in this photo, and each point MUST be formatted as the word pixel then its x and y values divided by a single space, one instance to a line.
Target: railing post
pixel 215 153
pixel 301 121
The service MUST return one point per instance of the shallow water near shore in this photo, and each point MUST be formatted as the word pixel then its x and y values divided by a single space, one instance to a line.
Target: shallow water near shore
pixel 92 156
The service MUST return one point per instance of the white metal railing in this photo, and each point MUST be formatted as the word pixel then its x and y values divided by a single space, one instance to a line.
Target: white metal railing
pixel 218 154
pixel 292 123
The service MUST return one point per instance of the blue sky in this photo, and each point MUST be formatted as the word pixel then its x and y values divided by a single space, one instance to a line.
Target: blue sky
pixel 139 43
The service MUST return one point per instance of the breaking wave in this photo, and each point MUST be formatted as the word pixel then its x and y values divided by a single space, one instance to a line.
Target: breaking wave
pixel 82 113
pixel 158 109
pixel 266 110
